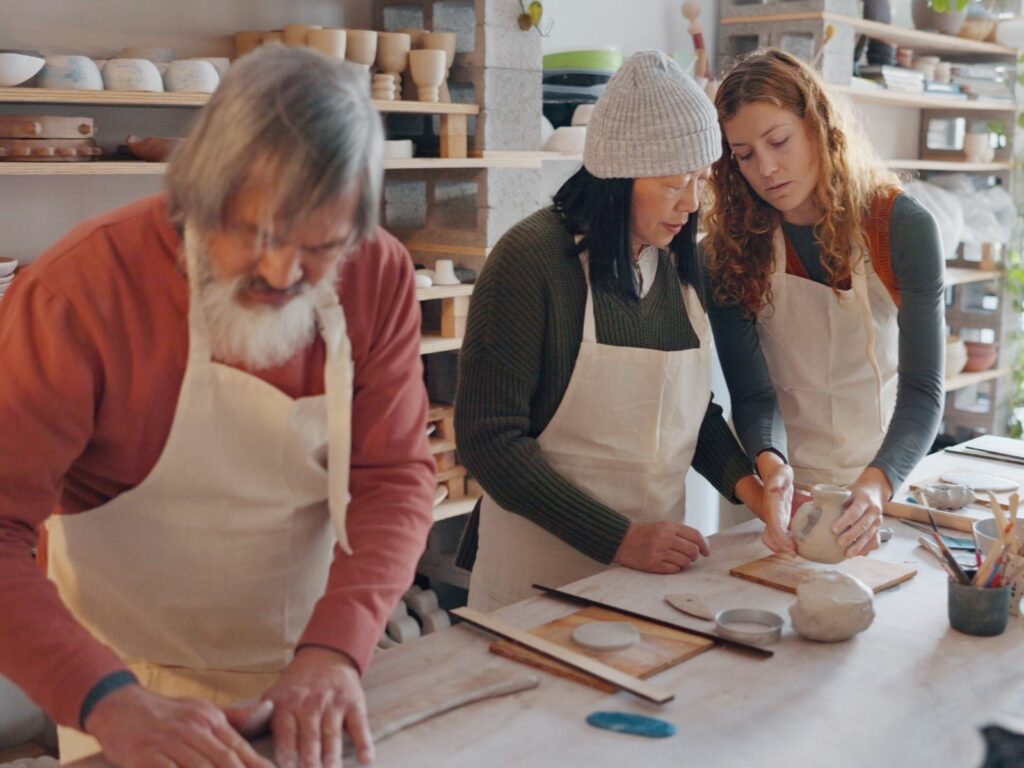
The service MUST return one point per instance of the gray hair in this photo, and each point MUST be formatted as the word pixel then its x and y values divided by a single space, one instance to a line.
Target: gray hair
pixel 305 120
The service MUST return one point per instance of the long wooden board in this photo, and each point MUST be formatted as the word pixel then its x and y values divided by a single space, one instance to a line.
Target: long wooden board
pixel 787 573
pixel 659 647
pixel 577 660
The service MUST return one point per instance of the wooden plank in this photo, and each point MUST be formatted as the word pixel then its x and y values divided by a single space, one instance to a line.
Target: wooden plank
pixel 787 573
pixel 507 160
pixel 440 445
pixel 959 521
pixel 451 473
pixel 445 292
pixel 454 133
pixel 920 101
pixel 659 647
pixel 438 411
pixel 576 660
pixel 90 168
pixel 478 251
pixel 454 314
pixel 954 166
pixel 964 275
pixel 962 380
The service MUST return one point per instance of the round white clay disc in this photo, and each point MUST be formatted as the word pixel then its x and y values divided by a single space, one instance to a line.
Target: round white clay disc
pixel 606 635
pixel 979 481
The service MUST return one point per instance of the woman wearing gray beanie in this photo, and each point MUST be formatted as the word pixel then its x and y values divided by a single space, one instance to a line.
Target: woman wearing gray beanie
pixel 584 390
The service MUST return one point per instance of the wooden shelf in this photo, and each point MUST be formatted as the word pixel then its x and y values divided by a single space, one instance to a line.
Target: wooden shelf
pixel 136 168
pixel 920 101
pixel 443 292
pixel 963 275
pixel 955 166
pixel 431 343
pixel 921 42
pixel 962 380
pixel 144 99
pixel 448 509
pixel 89 168
pixel 446 250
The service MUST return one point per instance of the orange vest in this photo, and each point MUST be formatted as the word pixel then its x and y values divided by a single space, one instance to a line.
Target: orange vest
pixel 878 247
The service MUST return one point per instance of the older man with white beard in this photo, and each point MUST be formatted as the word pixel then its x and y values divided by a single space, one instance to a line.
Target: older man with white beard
pixel 213 399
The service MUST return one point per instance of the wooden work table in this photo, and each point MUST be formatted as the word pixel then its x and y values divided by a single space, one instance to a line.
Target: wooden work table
pixel 909 691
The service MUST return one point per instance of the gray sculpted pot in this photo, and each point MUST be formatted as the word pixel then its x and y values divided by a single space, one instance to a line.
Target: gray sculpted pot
pixel 812 525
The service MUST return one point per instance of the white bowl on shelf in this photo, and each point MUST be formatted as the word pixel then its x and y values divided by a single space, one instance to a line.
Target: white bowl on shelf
pixel 76 73
pixel 7 266
pixel 17 68
pixel 398 149
pixel 132 75
pixel 191 76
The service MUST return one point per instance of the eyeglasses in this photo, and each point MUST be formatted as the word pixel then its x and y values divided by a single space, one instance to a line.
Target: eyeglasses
pixel 259 241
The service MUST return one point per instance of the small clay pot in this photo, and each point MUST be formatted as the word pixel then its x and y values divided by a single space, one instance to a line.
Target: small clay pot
pixel 980 355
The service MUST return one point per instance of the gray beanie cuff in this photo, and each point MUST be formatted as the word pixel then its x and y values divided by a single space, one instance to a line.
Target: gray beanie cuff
pixel 608 158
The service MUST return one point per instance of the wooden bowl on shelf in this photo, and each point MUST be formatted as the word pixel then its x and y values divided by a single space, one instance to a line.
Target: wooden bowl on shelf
pixel 980 355
pixel 153 149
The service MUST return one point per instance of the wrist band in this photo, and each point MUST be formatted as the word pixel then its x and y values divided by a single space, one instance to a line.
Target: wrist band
pixel 108 684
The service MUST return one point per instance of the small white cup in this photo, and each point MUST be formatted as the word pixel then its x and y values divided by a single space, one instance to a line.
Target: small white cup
pixel 444 272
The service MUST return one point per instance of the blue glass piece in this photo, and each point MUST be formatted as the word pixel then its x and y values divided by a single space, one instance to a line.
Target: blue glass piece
pixel 627 722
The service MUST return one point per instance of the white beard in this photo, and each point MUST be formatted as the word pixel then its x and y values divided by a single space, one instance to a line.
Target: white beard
pixel 260 336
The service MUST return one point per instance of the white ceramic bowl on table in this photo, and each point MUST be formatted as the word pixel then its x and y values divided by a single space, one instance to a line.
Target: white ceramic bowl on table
pixel 985 534
pixel 17 68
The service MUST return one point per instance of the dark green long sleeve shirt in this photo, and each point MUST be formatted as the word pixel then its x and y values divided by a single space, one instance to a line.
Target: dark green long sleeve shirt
pixel 524 330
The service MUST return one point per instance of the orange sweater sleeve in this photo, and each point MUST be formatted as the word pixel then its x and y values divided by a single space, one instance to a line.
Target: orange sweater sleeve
pixel 393 476
pixel 48 393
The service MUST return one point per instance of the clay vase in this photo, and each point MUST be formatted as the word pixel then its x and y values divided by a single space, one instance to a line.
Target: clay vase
pixel 442 41
pixel 246 41
pixel 361 48
pixel 330 42
pixel 393 56
pixel 295 34
pixel 812 525
pixel 427 67
pixel 928 19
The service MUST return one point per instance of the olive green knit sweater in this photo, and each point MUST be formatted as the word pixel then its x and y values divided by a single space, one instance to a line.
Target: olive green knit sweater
pixel 524 330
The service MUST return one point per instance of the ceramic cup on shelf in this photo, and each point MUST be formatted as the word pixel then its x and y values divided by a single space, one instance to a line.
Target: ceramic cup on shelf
pixel 427 67
pixel 132 75
pixel 415 36
pixel 191 76
pixel 78 73
pixel 295 34
pixel 246 41
pixel 393 56
pixel 361 48
pixel 978 148
pixel 442 41
pixel 273 36
pixel 444 272
pixel 330 42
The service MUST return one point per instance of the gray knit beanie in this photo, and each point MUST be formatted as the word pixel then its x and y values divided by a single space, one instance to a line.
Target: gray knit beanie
pixel 651 120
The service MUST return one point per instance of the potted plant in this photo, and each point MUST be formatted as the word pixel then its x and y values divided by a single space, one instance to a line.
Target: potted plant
pixel 945 16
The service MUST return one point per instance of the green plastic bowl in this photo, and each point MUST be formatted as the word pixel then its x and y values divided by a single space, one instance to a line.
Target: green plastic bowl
pixel 601 60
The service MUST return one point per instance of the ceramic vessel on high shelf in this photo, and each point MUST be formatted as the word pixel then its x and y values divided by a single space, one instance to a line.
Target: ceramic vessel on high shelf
pixel 928 19
pixel 393 56
pixel 812 525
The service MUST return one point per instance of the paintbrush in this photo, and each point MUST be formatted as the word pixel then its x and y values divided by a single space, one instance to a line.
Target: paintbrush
pixel 938 556
pixel 997 513
pixel 981 577
pixel 960 575
pixel 829 31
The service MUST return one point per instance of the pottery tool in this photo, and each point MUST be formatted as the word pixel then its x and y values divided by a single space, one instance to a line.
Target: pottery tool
pixel 937 554
pixel 994 556
pixel 788 573
pixel 750 625
pixel 636 725
pixel 961 577
pixel 577 661
pixel 581 600
pixel 953 542
pixel 691 604
pixel 979 453
pixel 829 31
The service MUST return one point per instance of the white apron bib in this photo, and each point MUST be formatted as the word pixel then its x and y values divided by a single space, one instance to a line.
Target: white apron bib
pixel 833 361
pixel 625 433
pixel 204 576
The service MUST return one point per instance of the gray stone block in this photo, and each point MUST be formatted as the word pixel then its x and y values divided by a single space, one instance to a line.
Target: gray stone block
pixel 405 203
pixel 730 8
pixel 405 16
pixel 510 104
pixel 504 46
pixel 458 16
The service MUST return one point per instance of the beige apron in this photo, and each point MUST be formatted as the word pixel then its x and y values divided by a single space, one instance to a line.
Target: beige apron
pixel 625 433
pixel 833 361
pixel 204 576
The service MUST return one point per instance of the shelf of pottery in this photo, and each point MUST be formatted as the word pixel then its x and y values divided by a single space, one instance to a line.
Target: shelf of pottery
pixel 962 88
pixel 411 74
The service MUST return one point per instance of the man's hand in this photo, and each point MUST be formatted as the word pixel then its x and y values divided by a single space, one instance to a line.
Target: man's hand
pixel 662 547
pixel 317 695
pixel 858 526
pixel 141 729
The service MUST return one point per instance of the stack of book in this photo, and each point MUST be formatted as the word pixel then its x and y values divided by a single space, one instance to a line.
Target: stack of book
pixel 984 81
pixel 894 78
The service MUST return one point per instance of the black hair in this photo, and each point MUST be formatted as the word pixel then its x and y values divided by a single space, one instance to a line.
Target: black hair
pixel 600 211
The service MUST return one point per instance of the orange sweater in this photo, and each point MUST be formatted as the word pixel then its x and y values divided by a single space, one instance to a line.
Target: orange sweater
pixel 93 346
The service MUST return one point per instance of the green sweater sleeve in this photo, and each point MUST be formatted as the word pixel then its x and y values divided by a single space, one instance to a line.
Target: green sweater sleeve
pixel 500 371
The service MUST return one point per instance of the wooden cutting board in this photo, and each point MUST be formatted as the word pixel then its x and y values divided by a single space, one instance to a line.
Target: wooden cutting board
pixel 659 648
pixel 787 573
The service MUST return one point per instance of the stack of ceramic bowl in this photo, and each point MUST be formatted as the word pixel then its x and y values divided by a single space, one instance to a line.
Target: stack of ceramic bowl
pixel 7 267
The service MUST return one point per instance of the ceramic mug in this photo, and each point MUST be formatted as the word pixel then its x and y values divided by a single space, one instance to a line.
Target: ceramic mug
pixel 295 34
pixel 191 76
pixel 132 75
pixel 361 47
pixel 428 69
pixel 78 73
pixel 330 42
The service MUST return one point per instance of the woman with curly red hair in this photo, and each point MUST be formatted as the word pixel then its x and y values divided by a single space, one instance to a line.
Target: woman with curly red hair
pixel 826 287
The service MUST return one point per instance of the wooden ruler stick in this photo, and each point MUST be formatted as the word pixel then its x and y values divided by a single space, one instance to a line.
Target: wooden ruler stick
pixel 580 600
pixel 578 661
